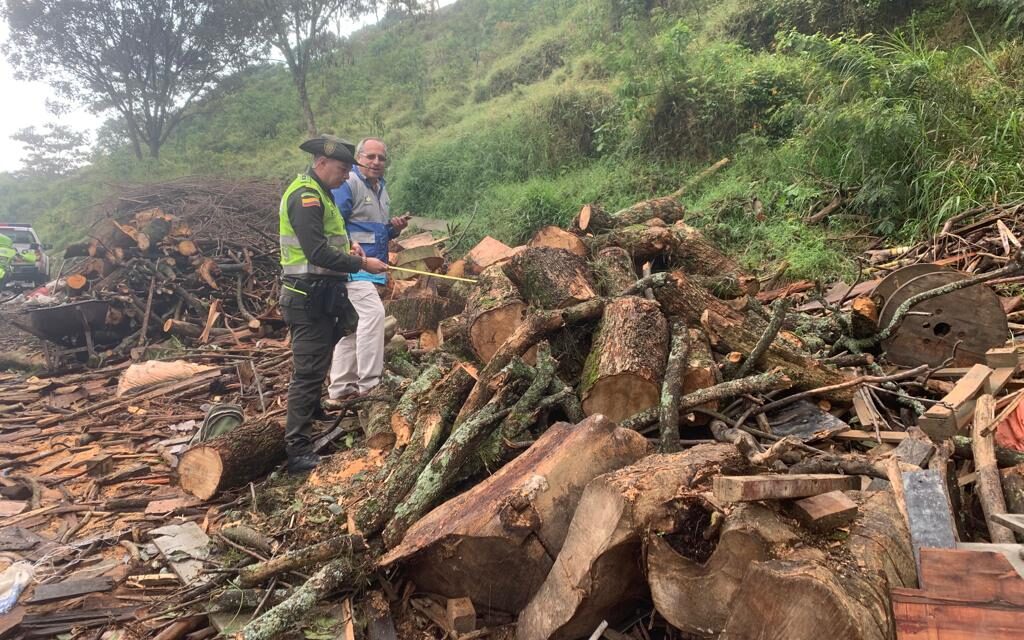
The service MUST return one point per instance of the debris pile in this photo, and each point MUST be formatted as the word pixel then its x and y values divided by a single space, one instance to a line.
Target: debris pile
pixel 603 434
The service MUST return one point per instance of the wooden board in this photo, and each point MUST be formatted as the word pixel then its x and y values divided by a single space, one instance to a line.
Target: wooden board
pixel 891 437
pixel 964 594
pixel 826 511
pixel 944 420
pixel 1014 521
pixel 70 589
pixel 928 511
pixel 768 487
pixel 12 507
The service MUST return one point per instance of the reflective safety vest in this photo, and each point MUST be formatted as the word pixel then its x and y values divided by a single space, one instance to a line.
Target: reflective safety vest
pixel 293 260
pixel 7 253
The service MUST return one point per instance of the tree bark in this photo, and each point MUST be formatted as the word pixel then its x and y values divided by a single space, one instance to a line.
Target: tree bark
pixel 432 424
pixel 421 313
pixel 672 387
pixel 613 271
pixel 623 372
pixel 232 459
pixel 989 487
pixel 701 372
pixel 495 543
pixel 596 575
pixel 697 256
pixel 494 310
pixel 551 278
pixel 641 241
pixel 295 559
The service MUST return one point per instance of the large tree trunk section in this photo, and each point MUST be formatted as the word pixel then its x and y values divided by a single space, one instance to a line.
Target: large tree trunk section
pixel 493 312
pixel 551 278
pixel 420 313
pixel 695 255
pixel 432 424
pixel 403 420
pixel 232 459
pixel 591 220
pixel 596 575
pixel 666 209
pixel 557 238
pixel 693 592
pixel 844 594
pixel 495 543
pixel 622 375
pixel 614 271
pixel 642 242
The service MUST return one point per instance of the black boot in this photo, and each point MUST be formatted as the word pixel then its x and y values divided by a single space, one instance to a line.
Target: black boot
pixel 304 463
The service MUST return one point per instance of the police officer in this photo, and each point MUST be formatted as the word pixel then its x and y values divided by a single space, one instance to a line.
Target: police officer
pixel 7 253
pixel 316 258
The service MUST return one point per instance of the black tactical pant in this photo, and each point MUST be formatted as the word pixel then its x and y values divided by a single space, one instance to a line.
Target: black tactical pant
pixel 313 336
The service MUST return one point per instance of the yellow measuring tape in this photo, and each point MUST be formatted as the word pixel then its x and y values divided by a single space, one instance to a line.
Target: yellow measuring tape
pixel 433 275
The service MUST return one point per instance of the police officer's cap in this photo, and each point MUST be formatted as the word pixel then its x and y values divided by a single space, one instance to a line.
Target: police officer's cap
pixel 331 147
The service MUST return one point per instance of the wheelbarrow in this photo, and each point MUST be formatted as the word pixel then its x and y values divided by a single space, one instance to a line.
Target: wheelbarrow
pixel 66 329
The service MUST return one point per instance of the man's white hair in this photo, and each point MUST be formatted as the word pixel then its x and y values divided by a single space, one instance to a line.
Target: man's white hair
pixel 362 143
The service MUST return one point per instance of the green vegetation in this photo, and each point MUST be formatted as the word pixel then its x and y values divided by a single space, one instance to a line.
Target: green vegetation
pixel 503 116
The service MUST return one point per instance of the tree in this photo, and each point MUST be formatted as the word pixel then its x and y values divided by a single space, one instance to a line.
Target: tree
pixel 56 150
pixel 298 29
pixel 148 60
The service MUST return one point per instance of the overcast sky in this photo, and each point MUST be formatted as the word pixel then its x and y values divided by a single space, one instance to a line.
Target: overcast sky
pixel 23 104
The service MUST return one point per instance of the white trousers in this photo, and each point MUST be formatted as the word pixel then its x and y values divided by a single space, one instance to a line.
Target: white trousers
pixel 359 358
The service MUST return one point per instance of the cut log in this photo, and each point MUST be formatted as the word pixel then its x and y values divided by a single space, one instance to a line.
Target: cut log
pixel 432 421
pixel 494 309
pixel 808 596
pixel 232 459
pixel 496 542
pixel 989 487
pixel 863 317
pixel 551 278
pixel 596 575
pixel 780 487
pixel 696 255
pixel 557 238
pixel 76 284
pixel 665 208
pixel 693 590
pixel 641 241
pixel 296 559
pixel 187 248
pixel 453 337
pixel 422 312
pixel 622 375
pixel 701 372
pixel 183 329
pixel 591 219
pixel 485 253
pixel 613 271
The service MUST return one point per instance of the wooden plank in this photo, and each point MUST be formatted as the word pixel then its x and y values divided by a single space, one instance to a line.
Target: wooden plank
pixel 944 420
pixel 999 379
pixel 769 487
pixel 867 412
pixel 891 437
pixel 826 511
pixel 70 589
pixel 919 617
pixel 971 576
pixel 928 511
pixel 916 451
pixel 1004 357
pixel 1014 521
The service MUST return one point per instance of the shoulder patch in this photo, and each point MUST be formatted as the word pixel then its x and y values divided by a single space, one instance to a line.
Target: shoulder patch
pixel 310 200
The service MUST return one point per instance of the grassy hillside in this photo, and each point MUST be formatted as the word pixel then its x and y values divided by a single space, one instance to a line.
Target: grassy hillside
pixel 506 115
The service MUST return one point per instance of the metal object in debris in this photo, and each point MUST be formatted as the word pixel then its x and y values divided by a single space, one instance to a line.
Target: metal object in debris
pixel 972 317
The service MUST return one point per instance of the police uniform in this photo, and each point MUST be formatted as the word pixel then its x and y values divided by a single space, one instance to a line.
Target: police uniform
pixel 315 264
pixel 7 253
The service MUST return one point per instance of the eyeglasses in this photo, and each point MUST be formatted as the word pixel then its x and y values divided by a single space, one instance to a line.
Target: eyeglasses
pixel 375 156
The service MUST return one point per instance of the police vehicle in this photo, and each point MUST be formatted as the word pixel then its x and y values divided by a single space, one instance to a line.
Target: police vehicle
pixel 23 259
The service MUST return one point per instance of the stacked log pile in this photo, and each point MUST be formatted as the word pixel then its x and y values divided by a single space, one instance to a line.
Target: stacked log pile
pixel 605 433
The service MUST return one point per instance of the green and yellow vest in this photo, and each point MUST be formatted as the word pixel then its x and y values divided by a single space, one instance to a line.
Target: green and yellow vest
pixel 293 260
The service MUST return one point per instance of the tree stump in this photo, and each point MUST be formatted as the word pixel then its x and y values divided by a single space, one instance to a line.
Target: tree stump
pixel 622 375
pixel 493 312
pixel 551 278
pixel 844 594
pixel 557 238
pixel 232 459
pixel 596 575
pixel 495 543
